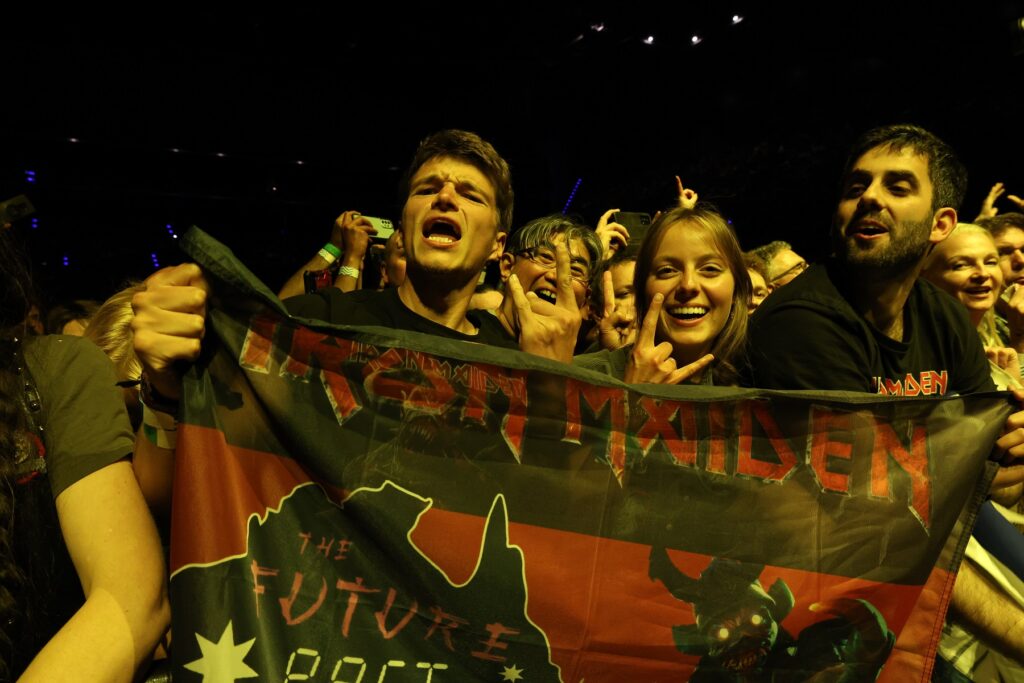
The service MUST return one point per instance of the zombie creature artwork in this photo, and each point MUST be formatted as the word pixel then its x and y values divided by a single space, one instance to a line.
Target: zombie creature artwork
pixel 739 638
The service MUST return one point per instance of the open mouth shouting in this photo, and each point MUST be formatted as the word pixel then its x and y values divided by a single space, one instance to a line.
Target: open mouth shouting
pixel 442 232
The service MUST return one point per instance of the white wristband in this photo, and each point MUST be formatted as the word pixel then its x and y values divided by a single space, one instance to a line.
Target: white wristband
pixel 349 271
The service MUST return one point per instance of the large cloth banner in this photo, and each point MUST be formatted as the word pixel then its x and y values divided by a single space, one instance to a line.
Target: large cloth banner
pixel 370 505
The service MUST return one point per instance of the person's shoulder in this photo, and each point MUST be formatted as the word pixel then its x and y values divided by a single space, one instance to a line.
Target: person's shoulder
pixel 490 331
pixel 937 302
pixel 611 363
pixel 331 304
pixel 57 353
pixel 809 300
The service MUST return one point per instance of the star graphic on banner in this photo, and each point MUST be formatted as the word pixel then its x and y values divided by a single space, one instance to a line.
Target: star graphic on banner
pixel 223 661
pixel 512 673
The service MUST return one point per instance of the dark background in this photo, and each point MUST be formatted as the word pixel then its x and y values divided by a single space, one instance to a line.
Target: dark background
pixel 134 123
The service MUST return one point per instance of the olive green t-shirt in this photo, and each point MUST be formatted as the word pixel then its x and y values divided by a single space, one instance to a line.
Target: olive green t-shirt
pixel 85 424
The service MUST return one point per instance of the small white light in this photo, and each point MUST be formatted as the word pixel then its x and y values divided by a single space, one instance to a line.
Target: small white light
pixel 220 154
pixel 274 188
pixel 175 150
pixel 72 139
pixel 649 40
pixel 736 19
pixel 300 162
pixel 597 27
pixel 696 40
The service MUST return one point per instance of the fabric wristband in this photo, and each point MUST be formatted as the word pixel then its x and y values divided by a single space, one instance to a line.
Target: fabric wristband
pixel 350 271
pixel 160 428
pixel 329 253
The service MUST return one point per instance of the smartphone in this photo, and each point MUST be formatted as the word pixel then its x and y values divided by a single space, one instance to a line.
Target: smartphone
pixel 15 208
pixel 636 223
pixel 384 227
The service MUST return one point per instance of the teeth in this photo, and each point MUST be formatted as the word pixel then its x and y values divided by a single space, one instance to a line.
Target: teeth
pixel 442 239
pixel 546 295
pixel 688 310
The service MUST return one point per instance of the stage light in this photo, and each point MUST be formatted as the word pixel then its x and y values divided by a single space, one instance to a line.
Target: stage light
pixel 597 28
pixel 736 18
pixel 72 139
pixel 30 176
pixel 649 40
pixel 696 40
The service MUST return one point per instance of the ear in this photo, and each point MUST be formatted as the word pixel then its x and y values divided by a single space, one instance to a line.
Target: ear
pixel 942 224
pixel 499 245
pixel 505 264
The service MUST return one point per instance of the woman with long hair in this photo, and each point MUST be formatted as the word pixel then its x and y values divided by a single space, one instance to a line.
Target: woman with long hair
pixel 82 585
pixel 691 292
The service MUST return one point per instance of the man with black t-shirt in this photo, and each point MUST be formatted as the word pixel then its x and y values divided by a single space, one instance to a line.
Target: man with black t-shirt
pixel 864 322
pixel 458 206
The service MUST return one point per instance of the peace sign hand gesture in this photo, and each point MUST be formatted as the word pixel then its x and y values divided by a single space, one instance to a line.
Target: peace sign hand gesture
pixel 654 364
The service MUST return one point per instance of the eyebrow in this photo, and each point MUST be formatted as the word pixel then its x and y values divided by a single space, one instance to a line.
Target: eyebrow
pixel 460 183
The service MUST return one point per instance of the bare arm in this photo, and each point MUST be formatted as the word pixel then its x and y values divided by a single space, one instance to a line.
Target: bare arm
pixel 351 236
pixel 116 551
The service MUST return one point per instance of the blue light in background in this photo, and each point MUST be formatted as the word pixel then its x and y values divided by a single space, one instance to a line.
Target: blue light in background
pixel 30 176
pixel 572 195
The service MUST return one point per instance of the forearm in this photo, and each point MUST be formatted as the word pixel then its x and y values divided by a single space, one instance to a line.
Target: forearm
pixel 104 640
pixel 295 285
pixel 350 274
pixel 991 616
pixel 116 551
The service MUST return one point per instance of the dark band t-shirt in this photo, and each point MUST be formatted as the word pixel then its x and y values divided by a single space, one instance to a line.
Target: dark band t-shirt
pixel 385 308
pixel 807 336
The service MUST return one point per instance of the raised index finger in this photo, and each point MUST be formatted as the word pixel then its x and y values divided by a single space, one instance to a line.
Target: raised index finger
pixel 566 297
pixel 645 337
pixel 608 293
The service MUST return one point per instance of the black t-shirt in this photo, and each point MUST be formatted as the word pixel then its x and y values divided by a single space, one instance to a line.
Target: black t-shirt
pixel 807 336
pixel 385 308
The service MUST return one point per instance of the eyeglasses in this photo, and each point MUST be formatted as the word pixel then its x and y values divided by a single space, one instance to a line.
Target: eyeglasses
pixel 545 258
pixel 790 272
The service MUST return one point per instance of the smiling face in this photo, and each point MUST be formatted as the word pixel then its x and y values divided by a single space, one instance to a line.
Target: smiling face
pixel 698 287
pixel 536 271
pixel 449 223
pixel 885 220
pixel 966 265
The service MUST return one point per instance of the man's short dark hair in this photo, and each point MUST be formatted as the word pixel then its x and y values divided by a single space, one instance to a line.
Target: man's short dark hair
pixel 947 175
pixel 1000 223
pixel 472 149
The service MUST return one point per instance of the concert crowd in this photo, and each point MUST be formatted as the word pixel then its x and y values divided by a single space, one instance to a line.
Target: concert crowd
pixel 919 297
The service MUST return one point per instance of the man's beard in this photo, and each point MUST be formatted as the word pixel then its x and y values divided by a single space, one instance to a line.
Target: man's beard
pixel 907 245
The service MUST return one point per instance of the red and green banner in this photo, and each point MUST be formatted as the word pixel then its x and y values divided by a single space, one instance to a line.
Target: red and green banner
pixel 371 505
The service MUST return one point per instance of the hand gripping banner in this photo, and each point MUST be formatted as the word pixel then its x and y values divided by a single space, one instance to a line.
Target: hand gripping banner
pixel 371 505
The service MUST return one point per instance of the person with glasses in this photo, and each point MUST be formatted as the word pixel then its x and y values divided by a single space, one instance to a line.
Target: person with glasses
pixel 530 263
pixel 784 264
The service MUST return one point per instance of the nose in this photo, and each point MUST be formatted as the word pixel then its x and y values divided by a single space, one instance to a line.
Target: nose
pixel 445 196
pixel 869 197
pixel 1017 259
pixel 688 286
